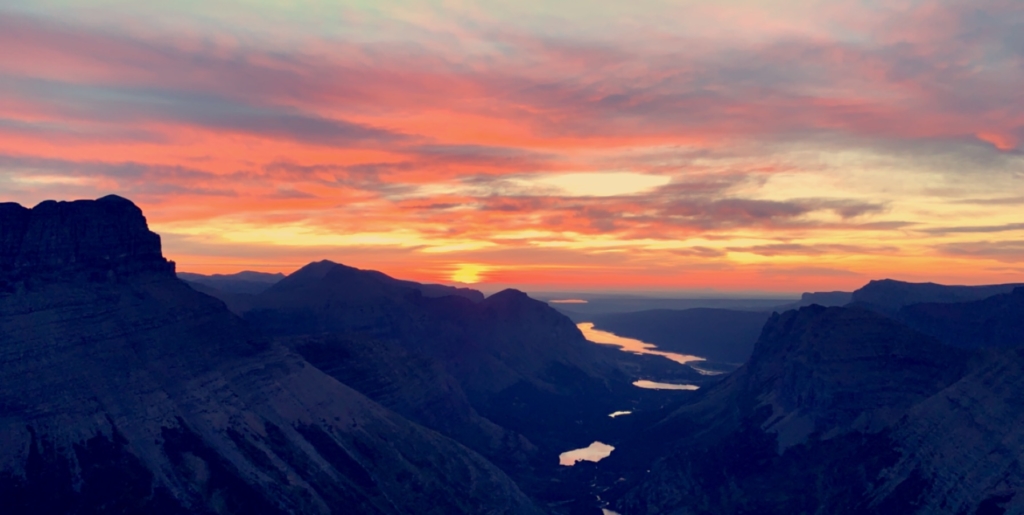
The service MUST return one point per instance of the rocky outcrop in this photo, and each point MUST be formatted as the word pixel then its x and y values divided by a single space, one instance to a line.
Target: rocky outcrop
pixel 141 395
pixel 95 240
pixel 821 298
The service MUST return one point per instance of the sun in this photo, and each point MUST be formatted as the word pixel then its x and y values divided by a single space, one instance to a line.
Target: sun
pixel 469 273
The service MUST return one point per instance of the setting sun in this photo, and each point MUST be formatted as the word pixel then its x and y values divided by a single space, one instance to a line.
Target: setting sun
pixel 469 273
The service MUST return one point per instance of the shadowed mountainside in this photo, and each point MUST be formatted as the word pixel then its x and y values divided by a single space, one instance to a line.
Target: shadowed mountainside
pixel 888 296
pixel 503 366
pixel 840 410
pixel 125 391
pixel 996 321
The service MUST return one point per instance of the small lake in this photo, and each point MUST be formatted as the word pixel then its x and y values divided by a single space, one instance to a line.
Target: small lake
pixel 653 385
pixel 595 452
pixel 631 344
pixel 619 413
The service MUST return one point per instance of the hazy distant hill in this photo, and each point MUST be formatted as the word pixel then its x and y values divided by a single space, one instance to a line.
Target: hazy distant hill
pixel 125 391
pixel 716 334
pixel 821 298
pixel 242 282
pixel 598 305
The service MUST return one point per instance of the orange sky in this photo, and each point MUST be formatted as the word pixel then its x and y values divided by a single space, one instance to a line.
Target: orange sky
pixel 655 146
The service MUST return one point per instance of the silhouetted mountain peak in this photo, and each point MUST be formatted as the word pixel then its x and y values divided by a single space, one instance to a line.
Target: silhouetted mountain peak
pixel 337 279
pixel 319 270
pixel 94 239
pixel 508 296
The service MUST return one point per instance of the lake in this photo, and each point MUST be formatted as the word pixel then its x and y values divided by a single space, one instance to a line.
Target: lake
pixel 595 452
pixel 653 385
pixel 632 344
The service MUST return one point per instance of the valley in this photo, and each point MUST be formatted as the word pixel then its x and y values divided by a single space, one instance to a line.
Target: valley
pixel 333 389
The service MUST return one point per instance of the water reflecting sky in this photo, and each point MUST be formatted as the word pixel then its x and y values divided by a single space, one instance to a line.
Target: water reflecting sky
pixel 597 451
pixel 631 344
pixel 653 385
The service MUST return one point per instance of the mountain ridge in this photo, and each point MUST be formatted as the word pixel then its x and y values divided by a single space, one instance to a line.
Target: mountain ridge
pixel 127 391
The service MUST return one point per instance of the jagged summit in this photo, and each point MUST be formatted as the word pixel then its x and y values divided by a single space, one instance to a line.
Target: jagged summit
pixel 92 239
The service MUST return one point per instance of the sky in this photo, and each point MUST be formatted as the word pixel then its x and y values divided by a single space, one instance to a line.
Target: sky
pixel 650 145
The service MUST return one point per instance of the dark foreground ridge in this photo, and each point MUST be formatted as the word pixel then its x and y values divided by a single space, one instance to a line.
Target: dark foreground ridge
pixel 126 391
pixel 840 410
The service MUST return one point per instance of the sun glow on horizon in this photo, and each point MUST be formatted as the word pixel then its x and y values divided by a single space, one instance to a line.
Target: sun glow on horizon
pixel 469 273
pixel 447 141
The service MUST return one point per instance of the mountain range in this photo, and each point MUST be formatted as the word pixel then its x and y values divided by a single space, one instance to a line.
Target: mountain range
pixel 126 391
pixel 128 388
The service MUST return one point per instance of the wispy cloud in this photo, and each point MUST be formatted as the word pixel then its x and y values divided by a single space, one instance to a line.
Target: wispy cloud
pixel 746 143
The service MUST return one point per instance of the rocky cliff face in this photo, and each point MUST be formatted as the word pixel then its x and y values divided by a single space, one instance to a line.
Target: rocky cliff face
pixel 841 410
pixel 96 240
pixel 125 391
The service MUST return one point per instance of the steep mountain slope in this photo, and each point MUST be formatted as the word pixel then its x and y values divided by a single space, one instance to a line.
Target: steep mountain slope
pixel 517 362
pixel 839 410
pixel 125 391
pixel 964 444
pixel 716 334
pixel 996 321
pixel 888 296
